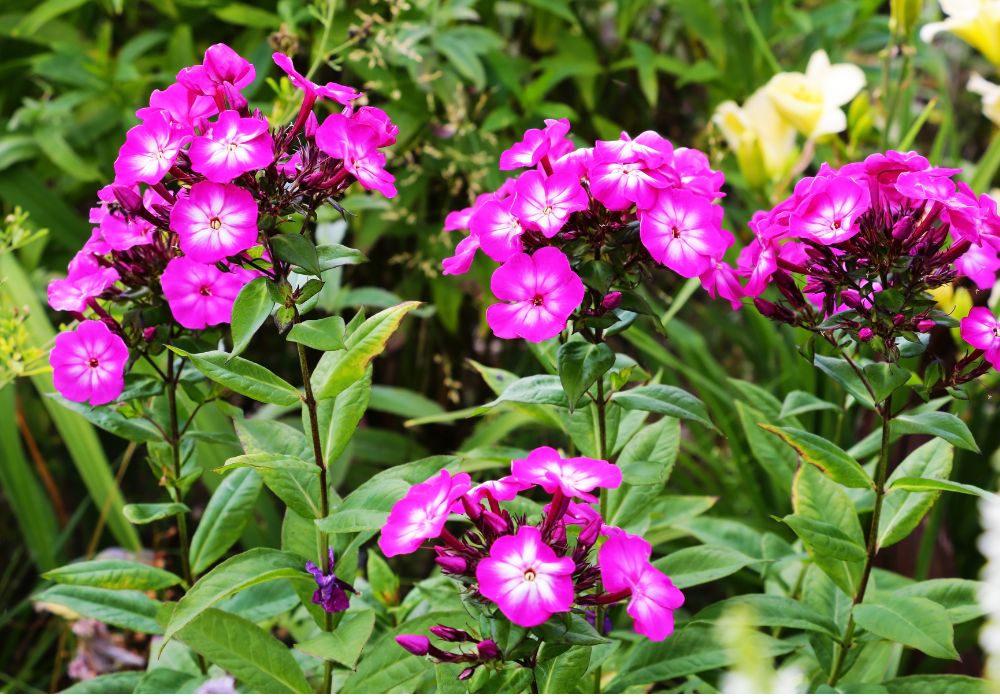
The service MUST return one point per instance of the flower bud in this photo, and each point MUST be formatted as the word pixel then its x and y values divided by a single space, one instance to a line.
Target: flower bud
pixel 865 334
pixel 466 673
pixel 898 320
pixel 772 310
pixel 851 298
pixel 589 534
pixel 416 644
pixel 925 324
pixel 452 565
pixel 472 508
pixel 487 649
pixel 494 522
pixel 149 333
pixel 611 301
pixel 130 200
pixel 450 634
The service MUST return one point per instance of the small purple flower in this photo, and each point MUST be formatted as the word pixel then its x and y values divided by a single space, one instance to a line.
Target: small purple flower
pixel 331 592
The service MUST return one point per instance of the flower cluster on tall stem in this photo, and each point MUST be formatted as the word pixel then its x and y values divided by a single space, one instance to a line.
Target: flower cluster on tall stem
pixel 531 571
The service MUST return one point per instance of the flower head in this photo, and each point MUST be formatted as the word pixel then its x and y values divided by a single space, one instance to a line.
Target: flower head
pixel 233 145
pixel 497 229
pixel 981 330
pixel 88 363
pixel 545 203
pixel 624 564
pixel 421 513
pixel 150 150
pixel 548 143
pixel 180 106
pixel 222 72
pixel 356 143
pixel 331 91
pixel 526 579
pixel 201 295
pixel 830 214
pixel 575 477
pixel 683 231
pixel 538 293
pixel 812 101
pixel 215 221
pixel 86 280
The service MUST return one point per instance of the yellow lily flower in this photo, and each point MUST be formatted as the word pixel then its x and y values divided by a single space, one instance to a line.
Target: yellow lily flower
pixel 977 22
pixel 764 143
pixel 812 101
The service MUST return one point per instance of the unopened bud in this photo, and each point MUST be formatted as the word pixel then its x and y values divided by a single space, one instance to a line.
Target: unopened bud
pixel 898 320
pixel 589 534
pixel 416 644
pixel 472 508
pixel 865 334
pixel 450 634
pixel 925 324
pixel 129 199
pixel 494 522
pixel 487 649
pixel 611 301
pixel 466 673
pixel 452 565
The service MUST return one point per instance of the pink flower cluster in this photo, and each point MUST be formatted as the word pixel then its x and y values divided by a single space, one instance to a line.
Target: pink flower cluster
pixel 181 225
pixel 858 248
pixel 531 572
pixel 631 201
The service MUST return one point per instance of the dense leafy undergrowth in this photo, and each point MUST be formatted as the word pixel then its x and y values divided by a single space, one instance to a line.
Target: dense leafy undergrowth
pixel 456 346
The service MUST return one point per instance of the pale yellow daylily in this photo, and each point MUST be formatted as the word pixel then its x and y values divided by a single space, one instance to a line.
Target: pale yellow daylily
pixel 990 93
pixel 977 22
pixel 764 143
pixel 812 101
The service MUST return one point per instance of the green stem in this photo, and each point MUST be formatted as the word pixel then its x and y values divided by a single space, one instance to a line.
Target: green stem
pixel 758 37
pixel 602 448
pixel 881 474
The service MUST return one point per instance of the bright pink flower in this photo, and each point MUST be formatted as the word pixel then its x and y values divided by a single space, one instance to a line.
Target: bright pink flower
pixel 757 261
pixel 624 564
pixel 620 184
pixel 504 489
pixel 421 514
pixel 981 330
pixel 221 67
pixel 979 264
pixel 201 295
pixel 356 144
pixel 542 292
pixel 720 281
pixel 180 106
pixel 331 91
pixel 830 214
pixel 88 363
pixel 648 147
pixel 526 579
pixel 498 229
pixel 575 163
pixel 215 221
pixel 691 171
pixel 575 477
pixel 385 130
pixel 233 145
pixel 684 232
pixel 150 150
pixel 550 142
pixel 545 203
pixel 461 261
pixel 86 280
pixel 122 233
pixel 925 185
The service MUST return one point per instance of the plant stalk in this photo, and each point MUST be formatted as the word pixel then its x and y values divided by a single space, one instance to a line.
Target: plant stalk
pixel 602 449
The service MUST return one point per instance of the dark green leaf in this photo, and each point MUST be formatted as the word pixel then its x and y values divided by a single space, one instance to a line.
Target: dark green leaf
pixel 580 365
pixel 252 307
pixel 664 400
pixel 226 516
pixel 344 644
pixel 938 423
pixel 902 511
pixel 321 334
pixel 116 574
pixel 131 610
pixel 823 454
pixel 143 513
pixel 245 377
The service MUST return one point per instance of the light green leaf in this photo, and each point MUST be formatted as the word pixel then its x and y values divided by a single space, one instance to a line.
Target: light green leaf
pixel 913 622
pixel 702 563
pixel 402 402
pixel 841 372
pixel 885 378
pixel 339 416
pixel 245 377
pixel 121 683
pixel 131 610
pixel 823 454
pixel 143 513
pixel 344 644
pixel 563 673
pixel 107 418
pixel 774 611
pixel 958 596
pixel 320 334
pixel 580 365
pixel 252 307
pixel 293 480
pixel 902 511
pixel 940 685
pixel 798 402
pixel 226 516
pixel 664 400
pixel 916 484
pixel 115 574
pixel 938 423
pixel 824 539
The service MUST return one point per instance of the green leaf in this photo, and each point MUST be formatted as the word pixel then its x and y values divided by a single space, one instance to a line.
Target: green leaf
pixel 913 622
pixel 344 644
pixel 321 334
pixel 702 563
pixel 563 673
pixel 107 418
pixel 824 539
pixel 143 513
pixel 664 400
pixel 902 511
pixel 245 377
pixel 402 402
pixel 916 484
pixel 773 454
pixel 580 365
pixel 131 610
pixel 338 370
pixel 798 402
pixel 162 680
pixel 774 611
pixel 958 596
pixel 823 454
pixel 885 378
pixel 120 683
pixel 538 389
pixel 336 255
pixel 646 67
pixel 252 307
pixel 232 576
pixel 569 629
pixel 298 250
pixel 841 372
pixel 938 423
pixel 115 574
pixel 944 684
pixel 339 416
pixel 226 516
pixel 246 651
pixel 293 480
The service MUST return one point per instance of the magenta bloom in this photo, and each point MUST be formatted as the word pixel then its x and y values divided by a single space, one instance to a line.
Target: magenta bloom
pixel 221 67
pixel 575 477
pixel 461 261
pixel 624 564
pixel 215 221
pixel 526 579
pixel 498 229
pixel 331 91
pixel 505 489
pixel 683 231
pixel 720 281
pixel 86 280
pixel 421 513
pixel 538 294
pixel 233 145
pixel 201 295
pixel 356 143
pixel 379 122
pixel 545 204
pixel 981 330
pixel 618 185
pixel 88 364
pixel 150 150
pixel 550 142
pixel 180 106
pixel 830 214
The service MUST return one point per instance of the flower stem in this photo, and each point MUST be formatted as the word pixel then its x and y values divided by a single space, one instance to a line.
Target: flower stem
pixel 602 449
pixel 881 474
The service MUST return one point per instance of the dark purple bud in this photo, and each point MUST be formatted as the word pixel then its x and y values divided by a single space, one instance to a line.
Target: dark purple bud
pixel 925 324
pixel 149 333
pixel 466 673
pixel 452 565
pixel 611 301
pixel 494 522
pixel 865 334
pixel 786 285
pixel 130 200
pixel 487 649
pixel 898 320
pixel 772 310
pixel 851 298
pixel 450 634
pixel 902 228
pixel 416 644
pixel 589 534
pixel 558 536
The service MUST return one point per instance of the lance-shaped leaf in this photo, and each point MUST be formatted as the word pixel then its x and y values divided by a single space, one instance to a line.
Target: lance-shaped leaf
pixel 320 334
pixel 903 510
pixel 914 622
pixel 114 574
pixel 664 400
pixel 143 513
pixel 823 454
pixel 344 644
pixel 252 307
pixel 295 481
pixel 131 610
pixel 938 423
pixel 244 377
pixel 580 365
pixel 226 516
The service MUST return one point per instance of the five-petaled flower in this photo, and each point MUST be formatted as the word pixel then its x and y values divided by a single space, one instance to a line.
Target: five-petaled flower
pixel 545 203
pixel 215 221
pixel 981 330
pixel 422 513
pixel 233 145
pixel 88 363
pixel 150 150
pixel 576 477
pixel 201 295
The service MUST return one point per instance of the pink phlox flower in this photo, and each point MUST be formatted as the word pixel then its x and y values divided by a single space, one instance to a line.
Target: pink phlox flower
pixel 233 145
pixel 981 330
pixel 221 68
pixel 720 281
pixel 503 489
pixel 355 143
pixel 575 477
pixel 576 163
pixel 421 514
pixel 624 564
pixel 620 184
pixel 181 107
pixel 683 232
pixel 538 293
pixel 545 203
pixel 692 171
pixel 149 151
pixel 498 229
pixel 526 579
pixel 201 295
pixel 87 280
pixel 925 186
pixel 214 221
pixel 648 147
pixel 979 264
pixel 88 363
pixel 972 218
pixel 758 261
pixel 550 143
pixel 465 253
pixel 830 214
pixel 379 122
pixel 331 91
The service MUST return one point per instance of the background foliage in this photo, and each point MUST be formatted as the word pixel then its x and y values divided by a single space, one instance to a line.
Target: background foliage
pixel 463 79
